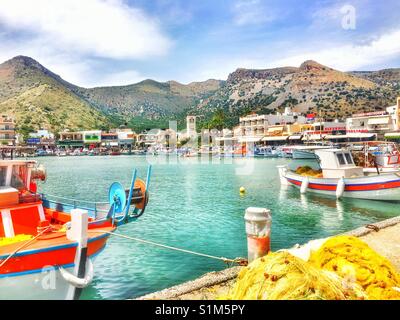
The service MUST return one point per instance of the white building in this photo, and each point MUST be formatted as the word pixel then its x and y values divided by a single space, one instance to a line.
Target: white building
pixel 379 122
pixel 149 138
pixel 126 138
pixel 253 127
pixel 42 134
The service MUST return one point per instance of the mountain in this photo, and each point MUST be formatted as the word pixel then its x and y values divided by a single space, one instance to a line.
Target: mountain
pixel 386 77
pixel 40 99
pixel 312 87
pixel 149 98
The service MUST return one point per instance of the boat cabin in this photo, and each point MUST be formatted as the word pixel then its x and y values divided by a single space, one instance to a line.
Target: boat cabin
pixel 338 163
pixel 20 206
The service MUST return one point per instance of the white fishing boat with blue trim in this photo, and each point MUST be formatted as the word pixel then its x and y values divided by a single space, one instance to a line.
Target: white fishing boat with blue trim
pixel 340 177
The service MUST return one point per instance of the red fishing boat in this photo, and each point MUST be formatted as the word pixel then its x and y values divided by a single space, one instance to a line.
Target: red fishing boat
pixel 47 246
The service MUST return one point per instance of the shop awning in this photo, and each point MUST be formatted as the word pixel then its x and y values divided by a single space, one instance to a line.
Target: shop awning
pixel 315 137
pixel 392 135
pixel 383 120
pixel 249 139
pixel 275 138
pixel 274 129
pixel 338 136
pixel 360 135
pixel 295 137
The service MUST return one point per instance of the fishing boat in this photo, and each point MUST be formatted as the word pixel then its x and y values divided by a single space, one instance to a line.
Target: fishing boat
pixel 266 152
pixel 285 152
pixel 47 246
pixel 340 177
pixel 377 156
pixel 306 152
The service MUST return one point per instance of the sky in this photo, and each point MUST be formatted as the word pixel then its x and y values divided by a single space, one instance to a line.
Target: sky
pixel 116 42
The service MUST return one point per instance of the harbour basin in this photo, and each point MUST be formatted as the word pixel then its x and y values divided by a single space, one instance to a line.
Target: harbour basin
pixel 195 204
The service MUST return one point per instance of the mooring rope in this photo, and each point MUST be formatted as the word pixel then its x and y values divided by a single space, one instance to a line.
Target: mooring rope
pixel 239 261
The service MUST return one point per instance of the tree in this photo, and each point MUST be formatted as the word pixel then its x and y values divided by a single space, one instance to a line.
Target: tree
pixel 217 121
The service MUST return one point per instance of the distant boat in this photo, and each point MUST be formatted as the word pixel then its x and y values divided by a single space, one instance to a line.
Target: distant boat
pixel 306 152
pixel 266 152
pixel 377 156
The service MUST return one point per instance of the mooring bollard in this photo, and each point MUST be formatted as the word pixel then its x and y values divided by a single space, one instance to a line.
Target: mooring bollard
pixel 258 231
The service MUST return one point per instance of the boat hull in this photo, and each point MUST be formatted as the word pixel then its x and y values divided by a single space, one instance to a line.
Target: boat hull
pixel 303 154
pixel 46 285
pixel 379 187
pixel 34 273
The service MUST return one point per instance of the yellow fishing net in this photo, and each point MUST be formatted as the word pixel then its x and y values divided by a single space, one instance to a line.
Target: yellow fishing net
pixel 18 238
pixel 308 171
pixel 354 260
pixel 282 276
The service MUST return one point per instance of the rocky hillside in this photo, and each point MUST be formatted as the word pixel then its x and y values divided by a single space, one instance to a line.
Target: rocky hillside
pixel 38 98
pixel 149 99
pixel 387 77
pixel 311 87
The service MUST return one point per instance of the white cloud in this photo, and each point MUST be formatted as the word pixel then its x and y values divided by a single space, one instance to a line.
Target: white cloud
pixel 351 57
pixel 345 57
pixel 250 12
pixel 102 28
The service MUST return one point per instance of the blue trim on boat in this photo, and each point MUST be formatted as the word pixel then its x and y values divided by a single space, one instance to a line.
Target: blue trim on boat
pixel 348 185
pixel 366 184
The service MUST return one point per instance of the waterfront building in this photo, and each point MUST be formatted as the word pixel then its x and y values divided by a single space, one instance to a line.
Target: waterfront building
pixel 41 139
pixel 126 138
pixel 394 135
pixel 109 139
pixel 167 138
pixel 324 130
pixel 147 139
pixel 254 127
pixel 92 138
pixel 227 140
pixel 71 140
pixel 7 130
pixel 380 123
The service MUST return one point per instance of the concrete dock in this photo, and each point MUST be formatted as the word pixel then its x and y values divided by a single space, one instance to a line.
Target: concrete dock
pixel 383 237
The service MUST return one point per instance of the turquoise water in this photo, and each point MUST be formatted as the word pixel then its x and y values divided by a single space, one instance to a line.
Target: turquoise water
pixel 195 204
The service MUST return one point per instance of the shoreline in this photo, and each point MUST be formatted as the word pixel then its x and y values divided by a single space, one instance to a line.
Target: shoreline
pixel 383 237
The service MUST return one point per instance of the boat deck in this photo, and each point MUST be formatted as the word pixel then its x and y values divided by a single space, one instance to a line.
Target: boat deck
pixel 383 237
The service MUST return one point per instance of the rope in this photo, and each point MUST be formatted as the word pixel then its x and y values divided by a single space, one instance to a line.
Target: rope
pixel 23 246
pixel 48 196
pixel 239 261
pixel 373 227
